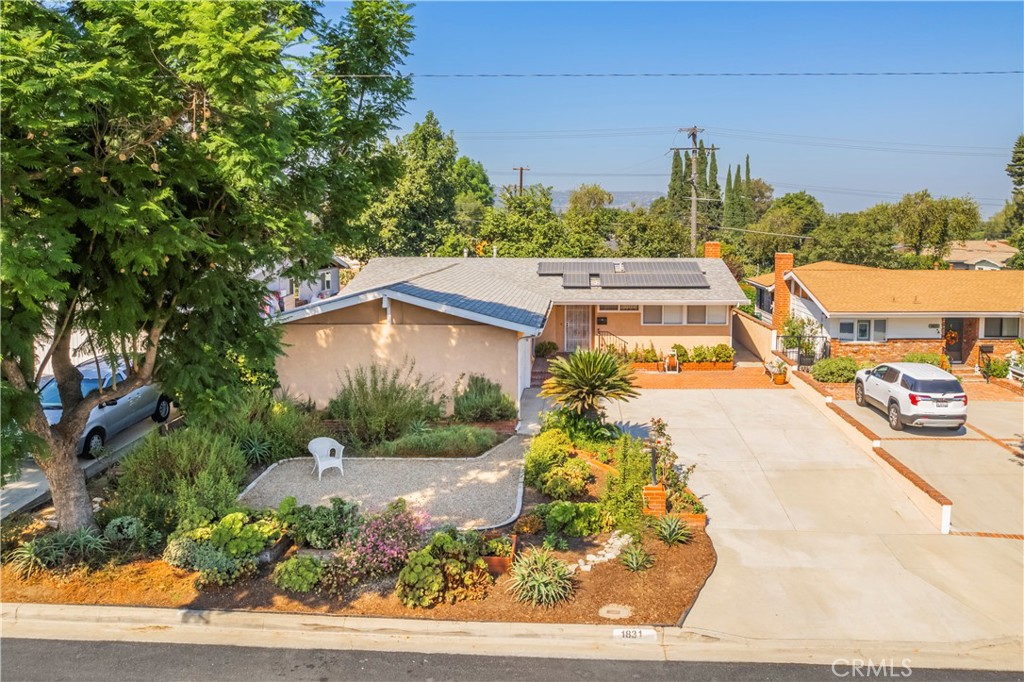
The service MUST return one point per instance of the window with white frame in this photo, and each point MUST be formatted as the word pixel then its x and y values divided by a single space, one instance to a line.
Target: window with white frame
pixel 1002 327
pixel 862 330
pixel 618 308
pixel 685 314
pixel 325 280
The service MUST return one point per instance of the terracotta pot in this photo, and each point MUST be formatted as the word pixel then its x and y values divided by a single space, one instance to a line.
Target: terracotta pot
pixel 499 565
pixel 779 378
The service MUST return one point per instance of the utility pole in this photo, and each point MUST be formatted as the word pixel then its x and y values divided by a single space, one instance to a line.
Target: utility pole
pixel 692 132
pixel 521 169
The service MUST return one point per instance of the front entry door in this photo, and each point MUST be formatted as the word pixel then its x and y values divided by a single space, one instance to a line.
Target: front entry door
pixel 577 327
pixel 954 336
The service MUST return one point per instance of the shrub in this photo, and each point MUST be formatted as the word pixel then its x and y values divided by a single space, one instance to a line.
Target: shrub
pixel 15 530
pixel 378 403
pixel 130 530
pixel 448 441
pixel 236 537
pixel 623 495
pixel 267 430
pixel 298 574
pixel 449 569
pixel 581 381
pixel 672 530
pixel 554 542
pixel 224 552
pixel 575 519
pixel 539 579
pixel 384 541
pixel 701 354
pixel 635 558
pixel 723 352
pixel 998 368
pixel 927 358
pixel 217 567
pixel 835 370
pixel 181 552
pixel 545 349
pixel 483 401
pixel 567 480
pixel 531 524
pixel 682 355
pixel 165 477
pixel 548 450
pixel 500 547
pixel 319 527
pixel 51 550
pixel 578 427
pixel 34 556
pixel 647 354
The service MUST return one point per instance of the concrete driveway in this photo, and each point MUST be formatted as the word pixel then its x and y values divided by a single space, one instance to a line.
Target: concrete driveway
pixel 984 480
pixel 815 542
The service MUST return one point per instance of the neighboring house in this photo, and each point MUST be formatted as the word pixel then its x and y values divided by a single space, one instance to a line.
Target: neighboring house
pixel 881 315
pixel 980 254
pixel 460 316
pixel 284 293
pixel 764 285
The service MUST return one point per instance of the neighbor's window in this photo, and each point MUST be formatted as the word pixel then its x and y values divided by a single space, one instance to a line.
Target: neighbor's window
pixel 325 280
pixel 652 314
pixel 879 333
pixel 846 330
pixel 1002 327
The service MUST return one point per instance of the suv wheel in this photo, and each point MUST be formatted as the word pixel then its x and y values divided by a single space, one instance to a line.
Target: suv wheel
pixel 93 443
pixel 895 420
pixel 858 393
pixel 163 409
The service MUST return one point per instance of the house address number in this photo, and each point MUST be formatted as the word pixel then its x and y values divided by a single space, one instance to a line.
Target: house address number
pixel 630 635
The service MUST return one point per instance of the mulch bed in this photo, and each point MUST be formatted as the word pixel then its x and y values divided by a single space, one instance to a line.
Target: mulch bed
pixel 660 595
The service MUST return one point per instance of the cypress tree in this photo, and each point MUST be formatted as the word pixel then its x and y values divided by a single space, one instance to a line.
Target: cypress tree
pixel 702 171
pixel 728 184
pixel 677 190
pixel 714 192
pixel 747 183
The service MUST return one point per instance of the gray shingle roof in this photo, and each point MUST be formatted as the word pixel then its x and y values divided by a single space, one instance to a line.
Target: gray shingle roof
pixel 510 289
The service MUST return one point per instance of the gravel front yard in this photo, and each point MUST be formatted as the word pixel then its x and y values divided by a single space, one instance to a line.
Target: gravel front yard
pixel 469 493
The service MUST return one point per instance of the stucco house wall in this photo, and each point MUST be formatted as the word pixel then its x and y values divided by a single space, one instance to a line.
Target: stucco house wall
pixel 322 347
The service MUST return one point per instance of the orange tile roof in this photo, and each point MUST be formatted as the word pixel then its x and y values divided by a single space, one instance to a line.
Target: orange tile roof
pixel 767 280
pixel 915 291
pixel 997 251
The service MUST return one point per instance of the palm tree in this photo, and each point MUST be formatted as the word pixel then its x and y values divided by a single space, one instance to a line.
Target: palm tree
pixel 580 381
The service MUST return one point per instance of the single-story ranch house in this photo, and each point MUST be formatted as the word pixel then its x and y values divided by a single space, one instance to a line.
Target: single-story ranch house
pixel 880 315
pixel 456 316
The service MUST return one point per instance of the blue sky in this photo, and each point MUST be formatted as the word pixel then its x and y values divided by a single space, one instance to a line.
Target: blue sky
pixel 981 115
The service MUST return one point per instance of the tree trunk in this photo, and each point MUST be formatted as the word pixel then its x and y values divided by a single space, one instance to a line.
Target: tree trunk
pixel 71 499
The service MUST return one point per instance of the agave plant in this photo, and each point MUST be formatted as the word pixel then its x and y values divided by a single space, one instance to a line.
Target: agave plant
pixel 581 381
pixel 540 579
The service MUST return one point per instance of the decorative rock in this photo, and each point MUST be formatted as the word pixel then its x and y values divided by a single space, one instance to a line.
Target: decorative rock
pixel 585 568
pixel 615 611
pixel 591 557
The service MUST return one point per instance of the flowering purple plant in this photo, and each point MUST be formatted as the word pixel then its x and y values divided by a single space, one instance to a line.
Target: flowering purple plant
pixel 383 542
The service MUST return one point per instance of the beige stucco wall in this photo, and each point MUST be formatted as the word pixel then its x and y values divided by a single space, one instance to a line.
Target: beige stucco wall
pixel 627 327
pixel 319 349
pixel 752 334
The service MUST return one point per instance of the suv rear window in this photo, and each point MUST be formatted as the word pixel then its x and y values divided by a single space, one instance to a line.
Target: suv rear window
pixel 932 385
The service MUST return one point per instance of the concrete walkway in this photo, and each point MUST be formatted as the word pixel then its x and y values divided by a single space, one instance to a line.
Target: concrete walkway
pixel 31 489
pixel 815 542
pixel 478 492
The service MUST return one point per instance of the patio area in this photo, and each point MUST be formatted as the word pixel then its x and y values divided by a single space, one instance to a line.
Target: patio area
pixel 478 492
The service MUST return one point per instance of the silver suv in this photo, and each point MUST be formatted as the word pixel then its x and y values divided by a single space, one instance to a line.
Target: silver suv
pixel 111 417
pixel 913 394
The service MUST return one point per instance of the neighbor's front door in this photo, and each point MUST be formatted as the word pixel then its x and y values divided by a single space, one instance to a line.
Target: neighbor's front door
pixel 955 339
pixel 577 327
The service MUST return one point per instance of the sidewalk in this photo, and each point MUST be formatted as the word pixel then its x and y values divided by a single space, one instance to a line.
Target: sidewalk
pixel 31 489
pixel 293 631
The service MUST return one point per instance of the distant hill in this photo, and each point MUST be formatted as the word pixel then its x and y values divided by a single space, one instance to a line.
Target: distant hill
pixel 624 199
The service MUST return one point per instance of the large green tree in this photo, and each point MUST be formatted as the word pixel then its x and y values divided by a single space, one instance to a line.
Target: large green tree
pixel 1015 214
pixel 810 210
pixel 154 156
pixel 413 216
pixel 678 199
pixel 867 237
pixel 525 226
pixel 929 226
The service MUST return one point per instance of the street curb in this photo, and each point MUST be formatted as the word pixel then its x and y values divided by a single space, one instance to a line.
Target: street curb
pixel 543 640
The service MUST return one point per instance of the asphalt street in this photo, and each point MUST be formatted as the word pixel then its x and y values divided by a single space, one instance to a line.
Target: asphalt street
pixel 25 660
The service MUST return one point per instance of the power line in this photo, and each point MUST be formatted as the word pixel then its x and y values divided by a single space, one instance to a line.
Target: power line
pixel 693 74
pixel 773 234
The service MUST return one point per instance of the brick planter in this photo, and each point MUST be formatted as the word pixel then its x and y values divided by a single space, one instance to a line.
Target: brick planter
pixel 646 366
pixel 655 504
pixel 706 366
pixel 499 565
pixel 592 460
pixel 1008 384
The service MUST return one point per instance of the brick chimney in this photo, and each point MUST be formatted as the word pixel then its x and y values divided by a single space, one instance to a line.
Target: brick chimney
pixel 712 249
pixel 780 306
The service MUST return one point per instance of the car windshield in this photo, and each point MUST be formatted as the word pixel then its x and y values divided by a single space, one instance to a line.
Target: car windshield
pixel 50 395
pixel 938 386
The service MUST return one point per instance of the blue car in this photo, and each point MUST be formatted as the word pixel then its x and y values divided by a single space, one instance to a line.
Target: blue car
pixel 110 417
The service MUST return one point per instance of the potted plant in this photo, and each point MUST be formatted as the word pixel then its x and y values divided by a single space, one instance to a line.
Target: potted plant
pixel 807 354
pixel 500 552
pixel 779 369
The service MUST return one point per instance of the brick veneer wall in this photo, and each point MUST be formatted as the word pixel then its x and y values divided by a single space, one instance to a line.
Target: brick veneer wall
pixel 892 350
pixel 780 309
pixel 1000 347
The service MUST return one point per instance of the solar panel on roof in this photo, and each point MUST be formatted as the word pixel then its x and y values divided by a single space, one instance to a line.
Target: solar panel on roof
pixel 576 280
pixel 664 280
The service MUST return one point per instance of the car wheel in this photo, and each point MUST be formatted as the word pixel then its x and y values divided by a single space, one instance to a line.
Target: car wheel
pixel 895 421
pixel 858 393
pixel 163 409
pixel 953 428
pixel 93 443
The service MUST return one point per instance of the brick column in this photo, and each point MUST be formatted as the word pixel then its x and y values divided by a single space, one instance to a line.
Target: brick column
pixel 712 249
pixel 655 500
pixel 780 309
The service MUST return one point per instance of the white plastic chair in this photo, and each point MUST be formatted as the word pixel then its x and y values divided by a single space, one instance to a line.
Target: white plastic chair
pixel 327 454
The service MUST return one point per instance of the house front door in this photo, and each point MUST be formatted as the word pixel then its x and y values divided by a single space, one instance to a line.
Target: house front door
pixel 577 327
pixel 954 336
